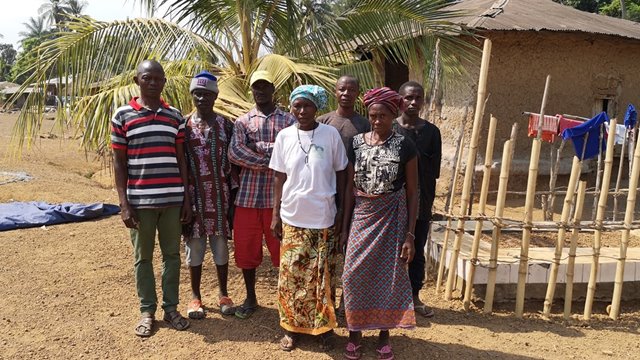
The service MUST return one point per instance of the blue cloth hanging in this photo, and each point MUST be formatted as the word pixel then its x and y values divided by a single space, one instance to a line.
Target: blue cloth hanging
pixel 592 128
pixel 630 117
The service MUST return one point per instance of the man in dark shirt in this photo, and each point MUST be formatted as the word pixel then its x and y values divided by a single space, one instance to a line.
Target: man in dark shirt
pixel 426 136
pixel 348 123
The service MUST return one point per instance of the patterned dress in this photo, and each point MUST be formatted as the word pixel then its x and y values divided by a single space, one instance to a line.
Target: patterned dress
pixel 304 284
pixel 377 291
pixel 210 177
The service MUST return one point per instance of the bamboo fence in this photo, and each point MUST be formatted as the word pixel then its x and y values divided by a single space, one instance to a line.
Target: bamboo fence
pixel 468 175
pixel 529 202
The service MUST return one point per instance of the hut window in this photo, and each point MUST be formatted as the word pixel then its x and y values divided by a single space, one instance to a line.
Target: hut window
pixel 603 104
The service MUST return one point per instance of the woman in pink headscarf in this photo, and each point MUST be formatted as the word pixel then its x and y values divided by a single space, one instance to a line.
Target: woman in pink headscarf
pixel 378 225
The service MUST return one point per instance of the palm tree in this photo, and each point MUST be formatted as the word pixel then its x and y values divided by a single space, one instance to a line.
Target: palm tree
pixel 36 28
pixel 232 38
pixel 75 7
pixel 54 11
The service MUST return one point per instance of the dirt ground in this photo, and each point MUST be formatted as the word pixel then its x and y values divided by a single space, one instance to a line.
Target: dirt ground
pixel 67 291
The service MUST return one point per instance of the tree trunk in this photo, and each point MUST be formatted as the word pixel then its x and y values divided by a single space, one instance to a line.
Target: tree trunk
pixel 623 10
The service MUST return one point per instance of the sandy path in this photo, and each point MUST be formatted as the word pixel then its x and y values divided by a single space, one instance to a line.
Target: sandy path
pixel 67 292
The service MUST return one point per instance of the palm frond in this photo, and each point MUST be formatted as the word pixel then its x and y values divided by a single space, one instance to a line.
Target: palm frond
pixel 94 61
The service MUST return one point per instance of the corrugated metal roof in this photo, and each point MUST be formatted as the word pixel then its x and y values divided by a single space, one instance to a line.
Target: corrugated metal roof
pixel 15 89
pixel 537 15
pixel 7 84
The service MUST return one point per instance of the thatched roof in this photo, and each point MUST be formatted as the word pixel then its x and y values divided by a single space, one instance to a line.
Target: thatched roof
pixel 538 15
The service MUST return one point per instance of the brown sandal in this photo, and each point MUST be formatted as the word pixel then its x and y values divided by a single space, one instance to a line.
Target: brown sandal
pixel 144 327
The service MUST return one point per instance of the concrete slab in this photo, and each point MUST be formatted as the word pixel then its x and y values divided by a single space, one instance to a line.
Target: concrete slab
pixel 540 260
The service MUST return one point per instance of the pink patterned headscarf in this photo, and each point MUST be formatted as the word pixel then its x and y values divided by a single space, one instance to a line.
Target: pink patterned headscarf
pixel 385 96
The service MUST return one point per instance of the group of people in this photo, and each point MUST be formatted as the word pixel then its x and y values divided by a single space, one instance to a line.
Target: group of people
pixel 313 188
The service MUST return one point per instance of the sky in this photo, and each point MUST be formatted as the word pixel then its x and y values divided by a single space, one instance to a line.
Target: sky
pixel 16 12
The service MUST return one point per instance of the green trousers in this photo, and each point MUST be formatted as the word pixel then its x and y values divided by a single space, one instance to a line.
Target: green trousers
pixel 167 222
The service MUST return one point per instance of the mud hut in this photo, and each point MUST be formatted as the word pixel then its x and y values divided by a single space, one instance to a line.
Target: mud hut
pixel 590 57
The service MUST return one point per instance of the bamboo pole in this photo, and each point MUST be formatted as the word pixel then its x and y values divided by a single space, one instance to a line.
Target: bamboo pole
pixel 619 177
pixel 507 156
pixel 523 269
pixel 564 219
pixel 547 210
pixel 452 187
pixel 436 82
pixel 601 211
pixel 599 174
pixel 484 189
pixel 553 179
pixel 571 265
pixel 468 175
pixel 632 145
pixel 628 220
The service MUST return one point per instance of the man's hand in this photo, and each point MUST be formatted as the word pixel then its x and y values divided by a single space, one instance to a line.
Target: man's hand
pixel 128 216
pixel 337 224
pixel 276 227
pixel 408 249
pixel 185 212
pixel 344 236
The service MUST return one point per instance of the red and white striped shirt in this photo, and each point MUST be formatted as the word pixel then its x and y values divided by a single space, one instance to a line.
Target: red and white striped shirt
pixel 150 139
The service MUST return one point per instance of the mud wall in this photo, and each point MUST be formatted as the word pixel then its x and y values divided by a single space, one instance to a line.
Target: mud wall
pixel 585 69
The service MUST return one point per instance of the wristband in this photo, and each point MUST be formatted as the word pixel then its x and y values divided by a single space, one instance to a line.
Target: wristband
pixel 409 233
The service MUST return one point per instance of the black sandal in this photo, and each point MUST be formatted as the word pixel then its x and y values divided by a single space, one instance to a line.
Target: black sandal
pixel 328 341
pixel 176 320
pixel 245 311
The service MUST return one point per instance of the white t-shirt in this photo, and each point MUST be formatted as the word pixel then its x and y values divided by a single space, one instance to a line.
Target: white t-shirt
pixel 308 195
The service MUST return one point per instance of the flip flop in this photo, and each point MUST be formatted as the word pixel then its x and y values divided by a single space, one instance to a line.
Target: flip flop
pixel 385 353
pixel 244 311
pixel 227 307
pixel 352 352
pixel 195 310
pixel 144 327
pixel 288 342
pixel 424 310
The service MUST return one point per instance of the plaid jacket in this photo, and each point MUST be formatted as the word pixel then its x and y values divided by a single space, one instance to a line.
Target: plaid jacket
pixel 258 131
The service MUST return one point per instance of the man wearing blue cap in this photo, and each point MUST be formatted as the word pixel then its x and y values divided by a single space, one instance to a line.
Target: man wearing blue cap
pixel 211 180
pixel 251 147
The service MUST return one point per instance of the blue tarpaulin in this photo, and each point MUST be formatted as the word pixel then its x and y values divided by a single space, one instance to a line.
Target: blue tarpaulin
pixel 18 215
pixel 591 129
pixel 630 117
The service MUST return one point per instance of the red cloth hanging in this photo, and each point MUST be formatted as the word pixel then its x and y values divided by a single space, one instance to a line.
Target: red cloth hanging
pixel 549 127
pixel 565 123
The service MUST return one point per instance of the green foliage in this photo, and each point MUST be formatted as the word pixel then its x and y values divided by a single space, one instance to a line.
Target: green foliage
pixel 26 61
pixel 606 7
pixel 613 9
pixel 585 5
pixel 7 59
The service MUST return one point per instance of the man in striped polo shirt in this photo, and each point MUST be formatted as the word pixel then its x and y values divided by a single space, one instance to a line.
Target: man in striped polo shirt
pixel 251 145
pixel 147 138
